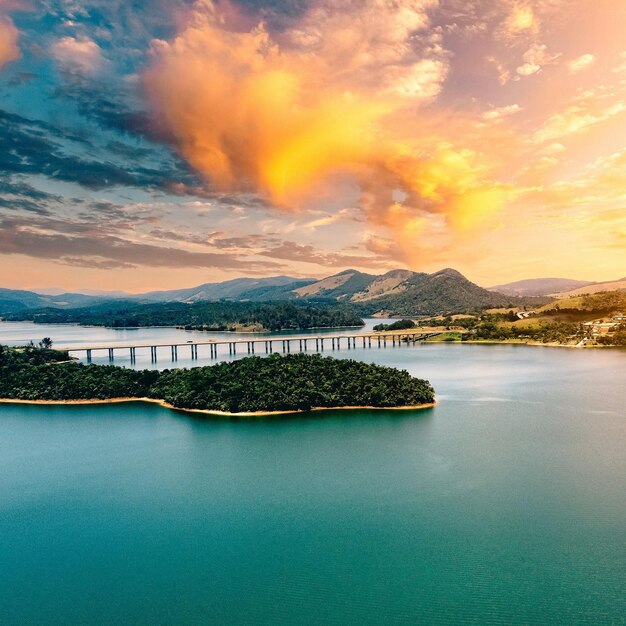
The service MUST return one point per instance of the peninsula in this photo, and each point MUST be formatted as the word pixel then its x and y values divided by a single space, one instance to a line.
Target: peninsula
pixel 250 386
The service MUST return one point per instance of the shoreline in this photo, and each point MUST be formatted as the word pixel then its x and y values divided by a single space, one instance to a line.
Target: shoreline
pixel 181 327
pixel 216 413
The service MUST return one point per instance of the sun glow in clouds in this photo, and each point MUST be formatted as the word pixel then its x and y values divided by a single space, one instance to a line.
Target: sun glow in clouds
pixel 486 136
pixel 340 92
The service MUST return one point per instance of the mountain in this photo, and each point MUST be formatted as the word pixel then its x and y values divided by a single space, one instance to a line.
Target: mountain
pixel 342 286
pixel 446 291
pixel 237 289
pixel 398 292
pixel 390 283
pixel 17 299
pixel 539 286
pixel 613 285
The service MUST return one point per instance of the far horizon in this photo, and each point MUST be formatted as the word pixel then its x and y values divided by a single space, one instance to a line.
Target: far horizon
pixel 55 291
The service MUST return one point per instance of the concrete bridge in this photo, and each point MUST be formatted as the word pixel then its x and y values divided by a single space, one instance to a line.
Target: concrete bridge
pixel 267 345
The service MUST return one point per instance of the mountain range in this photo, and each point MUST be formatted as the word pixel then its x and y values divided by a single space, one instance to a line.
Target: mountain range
pixel 398 292
pixel 557 287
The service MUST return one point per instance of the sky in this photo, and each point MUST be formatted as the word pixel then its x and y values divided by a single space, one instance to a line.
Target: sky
pixel 159 144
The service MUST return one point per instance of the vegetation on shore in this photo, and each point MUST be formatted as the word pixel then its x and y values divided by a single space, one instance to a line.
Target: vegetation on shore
pixel 585 320
pixel 203 315
pixel 399 325
pixel 253 384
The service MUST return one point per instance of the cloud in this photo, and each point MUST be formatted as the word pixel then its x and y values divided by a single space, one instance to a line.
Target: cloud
pixel 88 249
pixel 9 50
pixel 577 119
pixel 536 57
pixel 79 55
pixel 34 147
pixel 581 63
pixel 336 94
pixel 292 251
pixel 621 66
pixel 521 19
pixel 497 114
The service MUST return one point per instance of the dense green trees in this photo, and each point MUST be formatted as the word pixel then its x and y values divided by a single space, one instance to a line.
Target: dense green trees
pixel 616 338
pixel 399 325
pixel 272 383
pixel 204 315
pixel 497 327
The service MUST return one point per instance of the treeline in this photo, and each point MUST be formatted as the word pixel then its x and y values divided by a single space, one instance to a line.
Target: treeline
pixel 616 338
pixel 399 325
pixel 281 315
pixel 273 383
pixel 499 327
pixel 545 332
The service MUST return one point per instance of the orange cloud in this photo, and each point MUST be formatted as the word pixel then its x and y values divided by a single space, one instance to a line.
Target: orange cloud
pixel 9 50
pixel 336 94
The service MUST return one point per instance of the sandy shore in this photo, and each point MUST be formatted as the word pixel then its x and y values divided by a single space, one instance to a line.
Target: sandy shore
pixel 225 414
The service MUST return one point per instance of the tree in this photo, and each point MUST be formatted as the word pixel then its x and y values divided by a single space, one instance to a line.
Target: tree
pixel 46 343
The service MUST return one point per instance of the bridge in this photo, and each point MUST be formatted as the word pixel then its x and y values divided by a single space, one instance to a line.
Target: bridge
pixel 268 345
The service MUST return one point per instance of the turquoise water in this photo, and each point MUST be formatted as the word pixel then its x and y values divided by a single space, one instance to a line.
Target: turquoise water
pixel 503 505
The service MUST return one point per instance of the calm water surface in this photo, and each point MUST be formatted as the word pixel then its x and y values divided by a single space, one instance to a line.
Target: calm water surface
pixel 503 505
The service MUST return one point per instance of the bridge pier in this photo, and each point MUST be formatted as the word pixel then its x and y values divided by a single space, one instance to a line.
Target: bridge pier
pixel 302 345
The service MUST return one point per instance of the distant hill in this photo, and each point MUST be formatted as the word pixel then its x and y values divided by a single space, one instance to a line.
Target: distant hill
pixel 342 286
pixel 614 285
pixel 539 286
pixel 446 291
pixel 390 283
pixel 17 299
pixel 237 289
pixel 398 292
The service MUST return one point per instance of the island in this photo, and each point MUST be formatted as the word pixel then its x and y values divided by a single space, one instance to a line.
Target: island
pixel 252 386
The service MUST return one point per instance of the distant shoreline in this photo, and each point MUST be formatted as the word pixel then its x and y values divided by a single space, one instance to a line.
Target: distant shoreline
pixel 216 413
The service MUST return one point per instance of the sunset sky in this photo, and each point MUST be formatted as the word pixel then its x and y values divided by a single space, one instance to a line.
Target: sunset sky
pixel 166 143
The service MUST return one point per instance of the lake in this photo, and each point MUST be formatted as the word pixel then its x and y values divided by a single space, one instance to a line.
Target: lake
pixel 68 336
pixel 503 505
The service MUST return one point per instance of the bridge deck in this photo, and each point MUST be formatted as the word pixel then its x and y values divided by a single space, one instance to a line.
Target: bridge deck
pixel 413 336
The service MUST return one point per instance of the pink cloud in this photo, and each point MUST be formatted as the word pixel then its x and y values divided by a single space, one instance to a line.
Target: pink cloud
pixel 9 50
pixel 78 55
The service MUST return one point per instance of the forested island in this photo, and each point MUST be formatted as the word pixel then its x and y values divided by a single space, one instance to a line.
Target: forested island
pixel 276 383
pixel 213 316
